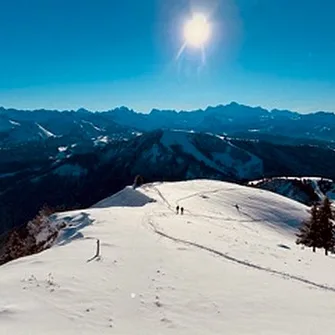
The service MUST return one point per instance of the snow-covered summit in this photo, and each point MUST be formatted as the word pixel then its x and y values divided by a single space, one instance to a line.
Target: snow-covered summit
pixel 228 265
pixel 129 197
pixel 191 154
pixel 306 190
pixel 215 152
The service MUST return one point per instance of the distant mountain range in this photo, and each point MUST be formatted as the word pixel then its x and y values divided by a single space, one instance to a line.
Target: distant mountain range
pixel 18 127
pixel 307 190
pixel 234 120
pixel 79 175
pixel 75 158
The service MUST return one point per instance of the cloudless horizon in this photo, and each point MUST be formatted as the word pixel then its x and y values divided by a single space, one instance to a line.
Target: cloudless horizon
pixel 68 54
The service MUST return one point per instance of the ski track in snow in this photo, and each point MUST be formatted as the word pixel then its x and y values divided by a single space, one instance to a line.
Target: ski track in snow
pixel 203 194
pixel 219 253
pixel 238 261
pixel 160 273
pixel 163 198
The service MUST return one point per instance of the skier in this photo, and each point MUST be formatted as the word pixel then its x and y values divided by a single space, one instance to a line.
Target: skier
pixel 237 207
pixel 177 209
pixel 182 211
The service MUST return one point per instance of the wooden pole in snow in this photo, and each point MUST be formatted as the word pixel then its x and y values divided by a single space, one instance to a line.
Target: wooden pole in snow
pixel 98 248
pixel 97 254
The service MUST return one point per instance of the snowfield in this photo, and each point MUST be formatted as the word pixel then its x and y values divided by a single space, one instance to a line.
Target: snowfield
pixel 230 159
pixel 44 132
pixel 306 190
pixel 229 265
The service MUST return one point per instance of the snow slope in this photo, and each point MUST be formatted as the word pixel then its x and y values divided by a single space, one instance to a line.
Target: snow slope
pixel 44 132
pixel 219 269
pixel 303 189
pixel 230 159
pixel 216 153
pixel 14 123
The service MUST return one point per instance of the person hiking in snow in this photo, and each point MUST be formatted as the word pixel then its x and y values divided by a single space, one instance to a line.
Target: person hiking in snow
pixel 182 211
pixel 177 209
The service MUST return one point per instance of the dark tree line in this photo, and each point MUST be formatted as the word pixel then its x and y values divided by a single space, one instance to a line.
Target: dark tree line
pixel 318 230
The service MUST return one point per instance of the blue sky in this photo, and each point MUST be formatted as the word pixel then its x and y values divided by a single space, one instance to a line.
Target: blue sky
pixel 67 54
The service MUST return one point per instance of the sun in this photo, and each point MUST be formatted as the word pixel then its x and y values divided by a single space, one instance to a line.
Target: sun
pixel 197 31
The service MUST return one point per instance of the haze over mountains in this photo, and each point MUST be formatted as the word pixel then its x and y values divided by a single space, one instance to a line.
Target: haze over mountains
pixel 232 119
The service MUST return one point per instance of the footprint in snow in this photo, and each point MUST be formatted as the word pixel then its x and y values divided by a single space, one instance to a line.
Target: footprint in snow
pixel 283 246
pixel 166 320
pixel 157 302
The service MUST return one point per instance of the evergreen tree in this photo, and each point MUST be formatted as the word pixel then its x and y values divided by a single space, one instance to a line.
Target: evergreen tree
pixel 326 226
pixel 310 233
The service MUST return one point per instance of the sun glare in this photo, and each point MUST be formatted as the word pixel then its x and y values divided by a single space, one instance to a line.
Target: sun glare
pixel 197 31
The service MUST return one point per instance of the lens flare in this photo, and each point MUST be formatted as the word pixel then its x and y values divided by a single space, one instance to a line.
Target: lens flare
pixel 197 31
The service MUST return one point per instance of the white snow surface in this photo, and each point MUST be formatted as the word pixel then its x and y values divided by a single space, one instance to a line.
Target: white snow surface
pixel 315 179
pixel 14 123
pixel 92 125
pixel 283 185
pixel 44 132
pixel 62 149
pixel 222 161
pixel 101 140
pixel 170 138
pixel 218 269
